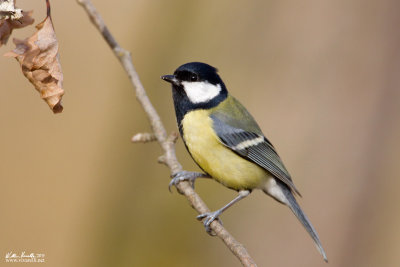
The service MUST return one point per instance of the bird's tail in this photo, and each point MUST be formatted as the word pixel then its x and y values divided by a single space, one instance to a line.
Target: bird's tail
pixel 294 206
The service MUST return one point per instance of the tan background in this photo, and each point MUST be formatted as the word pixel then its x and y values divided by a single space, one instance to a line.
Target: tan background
pixel 321 77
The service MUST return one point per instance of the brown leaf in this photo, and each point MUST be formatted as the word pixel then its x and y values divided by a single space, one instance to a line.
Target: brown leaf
pixel 8 25
pixel 39 59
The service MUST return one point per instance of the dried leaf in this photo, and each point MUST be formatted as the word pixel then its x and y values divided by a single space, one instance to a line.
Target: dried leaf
pixel 8 10
pixel 8 25
pixel 39 59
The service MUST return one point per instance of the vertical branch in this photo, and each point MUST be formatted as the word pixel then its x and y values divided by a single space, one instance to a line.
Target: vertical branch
pixel 167 143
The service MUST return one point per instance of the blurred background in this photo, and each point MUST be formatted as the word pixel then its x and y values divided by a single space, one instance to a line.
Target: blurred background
pixel 321 78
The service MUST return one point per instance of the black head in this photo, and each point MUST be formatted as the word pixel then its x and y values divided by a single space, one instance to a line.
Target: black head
pixel 196 85
pixel 198 72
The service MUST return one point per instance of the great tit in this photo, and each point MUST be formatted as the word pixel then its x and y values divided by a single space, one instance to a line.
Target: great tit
pixel 227 143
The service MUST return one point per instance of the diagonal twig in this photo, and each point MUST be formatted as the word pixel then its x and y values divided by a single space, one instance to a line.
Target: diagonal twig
pixel 143 138
pixel 167 142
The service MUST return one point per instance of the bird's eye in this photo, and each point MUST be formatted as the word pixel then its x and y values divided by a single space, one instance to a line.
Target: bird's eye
pixel 193 77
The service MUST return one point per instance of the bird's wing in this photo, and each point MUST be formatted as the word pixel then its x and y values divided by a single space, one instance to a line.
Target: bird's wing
pixel 251 145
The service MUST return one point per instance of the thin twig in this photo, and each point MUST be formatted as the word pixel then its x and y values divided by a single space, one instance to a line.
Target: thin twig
pixel 143 138
pixel 167 143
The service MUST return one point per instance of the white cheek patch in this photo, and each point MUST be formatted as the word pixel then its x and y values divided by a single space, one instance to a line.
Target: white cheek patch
pixel 199 92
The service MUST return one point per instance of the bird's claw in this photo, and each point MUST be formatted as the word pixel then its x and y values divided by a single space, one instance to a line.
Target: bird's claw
pixel 184 176
pixel 209 217
pixel 174 182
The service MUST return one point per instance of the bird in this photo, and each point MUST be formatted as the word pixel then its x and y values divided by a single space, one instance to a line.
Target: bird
pixel 227 144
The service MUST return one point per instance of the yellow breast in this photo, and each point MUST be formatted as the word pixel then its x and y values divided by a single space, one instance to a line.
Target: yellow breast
pixel 212 156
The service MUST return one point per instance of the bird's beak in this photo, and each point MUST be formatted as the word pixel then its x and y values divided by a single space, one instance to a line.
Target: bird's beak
pixel 171 79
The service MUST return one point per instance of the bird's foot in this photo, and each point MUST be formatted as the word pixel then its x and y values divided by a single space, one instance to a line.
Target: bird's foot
pixel 209 217
pixel 185 176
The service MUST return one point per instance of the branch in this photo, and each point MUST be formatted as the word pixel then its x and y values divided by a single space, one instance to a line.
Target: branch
pixel 167 142
pixel 144 138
